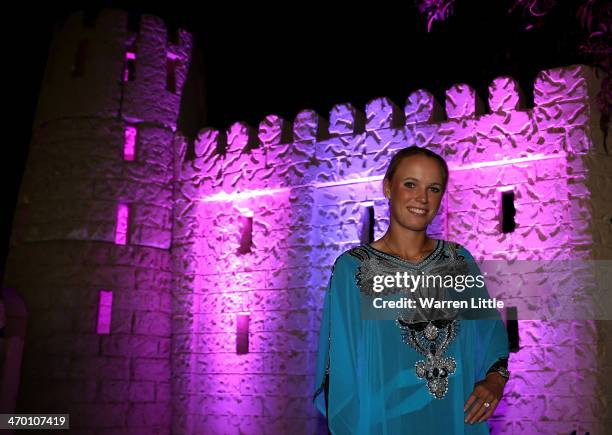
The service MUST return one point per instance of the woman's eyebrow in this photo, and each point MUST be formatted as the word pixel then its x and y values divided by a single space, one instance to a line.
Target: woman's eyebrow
pixel 416 179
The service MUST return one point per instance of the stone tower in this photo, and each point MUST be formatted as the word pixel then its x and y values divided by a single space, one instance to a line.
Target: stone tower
pixel 90 249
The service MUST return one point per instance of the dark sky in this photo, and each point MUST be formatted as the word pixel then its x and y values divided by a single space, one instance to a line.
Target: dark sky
pixel 279 60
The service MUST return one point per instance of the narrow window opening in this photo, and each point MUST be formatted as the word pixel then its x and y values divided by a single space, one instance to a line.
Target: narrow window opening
pixel 512 328
pixel 78 68
pixel 173 36
pixel 171 74
pixel 242 333
pixel 508 211
pixel 368 221
pixel 129 142
pixel 246 234
pixel 129 72
pixel 121 232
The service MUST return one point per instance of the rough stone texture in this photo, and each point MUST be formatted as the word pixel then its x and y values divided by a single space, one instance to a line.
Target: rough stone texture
pixel 274 130
pixel 382 113
pixel 421 106
pixel 75 179
pixel 147 98
pixel 67 367
pixel 253 223
pixel 98 91
pixel 312 207
pixel 309 126
pixel 505 95
pixel 63 250
pixel 345 119
pixel 462 101
pixel 240 137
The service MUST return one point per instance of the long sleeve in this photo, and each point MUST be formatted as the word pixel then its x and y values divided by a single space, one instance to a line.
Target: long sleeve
pixel 492 337
pixel 337 350
pixel 371 367
pixel 323 353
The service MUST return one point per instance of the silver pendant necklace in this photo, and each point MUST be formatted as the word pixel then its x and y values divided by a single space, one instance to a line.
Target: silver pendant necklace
pixel 432 341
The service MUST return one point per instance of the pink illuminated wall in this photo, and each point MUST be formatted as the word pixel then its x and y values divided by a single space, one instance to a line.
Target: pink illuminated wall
pixel 105 305
pixel 308 185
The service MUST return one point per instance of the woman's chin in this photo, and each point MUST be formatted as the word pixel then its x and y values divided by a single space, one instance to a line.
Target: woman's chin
pixel 415 226
pixel 417 222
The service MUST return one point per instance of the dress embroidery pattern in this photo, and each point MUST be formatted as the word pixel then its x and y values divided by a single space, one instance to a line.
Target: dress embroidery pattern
pixel 429 333
pixel 432 340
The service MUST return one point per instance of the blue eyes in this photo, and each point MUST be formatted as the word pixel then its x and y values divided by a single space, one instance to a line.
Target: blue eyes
pixel 410 184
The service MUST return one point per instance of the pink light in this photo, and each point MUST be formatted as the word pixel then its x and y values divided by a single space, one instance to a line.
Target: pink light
pixel 129 143
pixel 254 193
pixel 130 58
pixel 123 212
pixel 503 162
pixel 105 303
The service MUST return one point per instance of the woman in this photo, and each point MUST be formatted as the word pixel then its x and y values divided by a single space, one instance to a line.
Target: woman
pixel 429 371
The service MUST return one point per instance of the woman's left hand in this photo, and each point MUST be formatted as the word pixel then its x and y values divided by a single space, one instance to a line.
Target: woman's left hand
pixel 485 398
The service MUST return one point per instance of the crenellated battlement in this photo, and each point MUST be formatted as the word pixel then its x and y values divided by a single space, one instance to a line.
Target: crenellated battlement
pixel 313 148
pixel 104 129
pixel 116 21
pixel 104 70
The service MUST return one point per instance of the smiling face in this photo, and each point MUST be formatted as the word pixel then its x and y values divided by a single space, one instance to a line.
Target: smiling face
pixel 415 192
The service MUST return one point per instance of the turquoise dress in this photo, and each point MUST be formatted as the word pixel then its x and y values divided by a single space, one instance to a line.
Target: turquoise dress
pixel 391 377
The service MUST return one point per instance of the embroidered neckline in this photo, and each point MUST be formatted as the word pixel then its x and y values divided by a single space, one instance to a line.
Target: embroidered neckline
pixel 430 257
pixel 430 338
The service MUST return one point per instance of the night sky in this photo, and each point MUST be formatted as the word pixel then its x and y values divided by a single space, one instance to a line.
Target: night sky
pixel 259 61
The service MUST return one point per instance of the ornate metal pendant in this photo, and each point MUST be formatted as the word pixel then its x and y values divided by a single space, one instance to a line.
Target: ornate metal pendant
pixel 435 371
pixel 432 339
